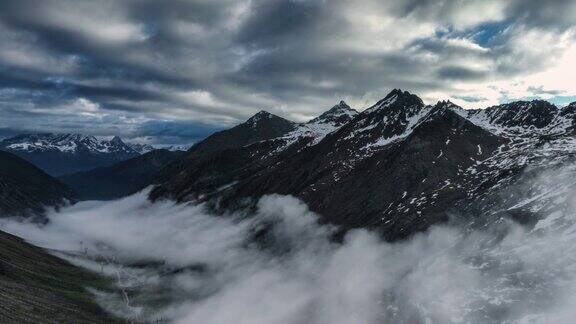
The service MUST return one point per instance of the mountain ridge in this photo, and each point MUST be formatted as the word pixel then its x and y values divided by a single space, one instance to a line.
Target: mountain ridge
pixel 27 191
pixel 59 154
pixel 386 148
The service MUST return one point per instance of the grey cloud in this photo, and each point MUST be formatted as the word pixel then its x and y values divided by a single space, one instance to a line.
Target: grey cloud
pixel 555 14
pixel 220 61
pixel 273 20
pixel 460 73
pixel 541 91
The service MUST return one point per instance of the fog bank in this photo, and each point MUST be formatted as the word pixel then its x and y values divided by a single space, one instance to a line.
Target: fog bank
pixel 185 265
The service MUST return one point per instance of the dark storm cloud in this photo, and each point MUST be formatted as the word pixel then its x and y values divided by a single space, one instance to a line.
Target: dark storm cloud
pixel 460 73
pixel 141 67
pixel 554 14
pixel 274 20
pixel 190 131
pixel 541 90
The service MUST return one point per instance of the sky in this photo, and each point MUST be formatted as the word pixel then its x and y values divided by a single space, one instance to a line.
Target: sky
pixel 174 71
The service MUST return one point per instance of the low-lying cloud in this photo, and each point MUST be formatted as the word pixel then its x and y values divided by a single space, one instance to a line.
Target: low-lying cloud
pixel 277 265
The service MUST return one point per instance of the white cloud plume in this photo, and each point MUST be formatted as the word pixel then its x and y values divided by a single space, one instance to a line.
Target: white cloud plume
pixel 182 263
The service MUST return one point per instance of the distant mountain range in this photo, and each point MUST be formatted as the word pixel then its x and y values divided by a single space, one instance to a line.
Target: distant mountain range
pixel 59 154
pixel 397 167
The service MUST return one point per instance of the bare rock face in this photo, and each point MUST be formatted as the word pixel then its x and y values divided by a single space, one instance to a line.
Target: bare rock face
pixel 398 167
pixel 36 287
pixel 25 190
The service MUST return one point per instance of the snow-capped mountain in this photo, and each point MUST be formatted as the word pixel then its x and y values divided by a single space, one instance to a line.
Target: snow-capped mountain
pixel 72 143
pixel 529 118
pixel 398 166
pixel 312 132
pixel 58 154
pixel 335 116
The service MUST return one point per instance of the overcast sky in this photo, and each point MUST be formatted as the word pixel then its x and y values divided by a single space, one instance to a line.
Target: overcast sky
pixel 176 70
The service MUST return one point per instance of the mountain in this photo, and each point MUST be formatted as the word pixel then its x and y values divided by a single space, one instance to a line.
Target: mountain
pixel 59 154
pixel 121 179
pixel 25 190
pixel 335 116
pixel 37 287
pixel 261 126
pixel 205 164
pixel 524 114
pixel 397 167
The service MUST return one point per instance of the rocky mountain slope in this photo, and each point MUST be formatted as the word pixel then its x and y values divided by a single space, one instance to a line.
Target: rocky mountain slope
pixel 121 179
pixel 25 190
pixel 59 154
pixel 36 287
pixel 398 167
pixel 259 127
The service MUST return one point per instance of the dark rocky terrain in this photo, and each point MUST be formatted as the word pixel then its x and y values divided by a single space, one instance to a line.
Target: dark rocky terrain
pixel 59 154
pixel 121 179
pixel 25 190
pixel 36 287
pixel 397 167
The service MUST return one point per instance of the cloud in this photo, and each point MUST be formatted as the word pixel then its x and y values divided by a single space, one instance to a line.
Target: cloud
pixel 175 132
pixel 278 265
pixel 218 62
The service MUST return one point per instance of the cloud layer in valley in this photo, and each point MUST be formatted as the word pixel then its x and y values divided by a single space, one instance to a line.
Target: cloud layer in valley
pixel 183 264
pixel 107 67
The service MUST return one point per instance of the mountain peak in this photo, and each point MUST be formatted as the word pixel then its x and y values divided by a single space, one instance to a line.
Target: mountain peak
pixel 446 104
pixel 116 140
pixel 335 116
pixel 262 113
pixel 395 92
pixel 397 97
pixel 259 116
pixel 570 109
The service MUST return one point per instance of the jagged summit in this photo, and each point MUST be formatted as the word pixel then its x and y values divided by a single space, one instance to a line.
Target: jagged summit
pixel 396 97
pixel 536 113
pixel 403 163
pixel 260 127
pixel 445 104
pixel 117 140
pixel 264 116
pixel 570 109
pixel 261 114
pixel 335 116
